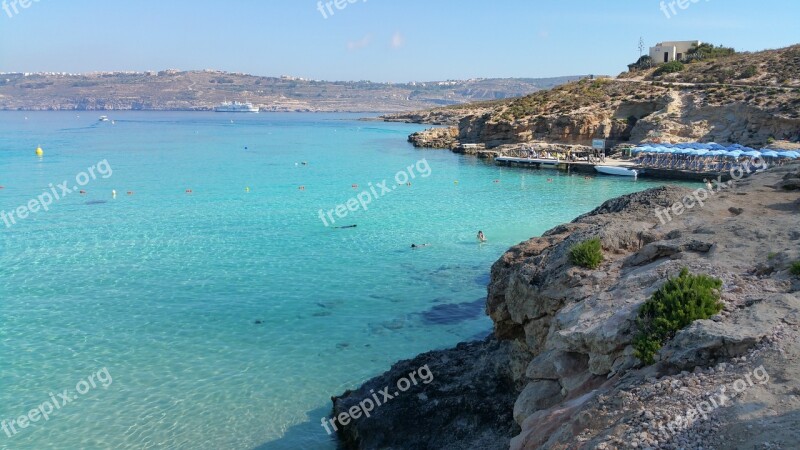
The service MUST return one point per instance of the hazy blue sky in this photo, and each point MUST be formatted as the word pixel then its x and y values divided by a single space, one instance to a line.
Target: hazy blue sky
pixel 380 40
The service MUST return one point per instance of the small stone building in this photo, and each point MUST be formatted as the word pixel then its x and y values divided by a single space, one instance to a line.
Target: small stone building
pixel 665 52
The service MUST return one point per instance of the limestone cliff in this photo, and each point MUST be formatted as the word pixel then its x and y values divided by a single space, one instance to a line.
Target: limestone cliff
pixel 565 336
pixel 630 111
pixel 435 138
pixel 751 99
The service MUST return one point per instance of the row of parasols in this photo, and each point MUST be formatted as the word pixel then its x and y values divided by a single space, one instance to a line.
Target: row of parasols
pixel 715 150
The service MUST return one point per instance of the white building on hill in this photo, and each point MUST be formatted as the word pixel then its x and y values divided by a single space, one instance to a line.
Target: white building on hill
pixel 665 52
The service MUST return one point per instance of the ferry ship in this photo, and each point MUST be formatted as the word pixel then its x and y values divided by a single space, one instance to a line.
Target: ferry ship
pixel 236 107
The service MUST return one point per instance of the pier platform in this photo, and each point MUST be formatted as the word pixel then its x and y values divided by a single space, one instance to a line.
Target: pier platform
pixel 588 168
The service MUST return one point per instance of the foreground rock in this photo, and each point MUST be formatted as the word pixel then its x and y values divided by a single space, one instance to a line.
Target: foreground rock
pixel 467 405
pixel 571 328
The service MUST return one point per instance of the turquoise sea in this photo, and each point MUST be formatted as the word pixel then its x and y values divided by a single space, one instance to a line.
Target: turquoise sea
pixel 225 319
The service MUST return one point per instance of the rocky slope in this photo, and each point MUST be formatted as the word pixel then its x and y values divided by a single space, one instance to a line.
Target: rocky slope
pixel 707 101
pixel 766 68
pixel 566 336
pixel 625 111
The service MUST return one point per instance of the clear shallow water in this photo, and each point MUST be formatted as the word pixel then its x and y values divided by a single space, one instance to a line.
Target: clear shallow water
pixel 164 288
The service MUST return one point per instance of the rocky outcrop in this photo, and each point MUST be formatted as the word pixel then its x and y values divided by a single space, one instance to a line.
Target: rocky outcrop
pixel 468 404
pixel 570 329
pixel 578 324
pixel 682 115
pixel 435 138
pixel 578 128
pixel 440 116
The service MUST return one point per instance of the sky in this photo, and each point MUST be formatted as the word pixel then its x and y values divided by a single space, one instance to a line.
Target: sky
pixel 377 40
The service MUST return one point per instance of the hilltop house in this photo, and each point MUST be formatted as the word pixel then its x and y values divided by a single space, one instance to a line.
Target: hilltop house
pixel 665 52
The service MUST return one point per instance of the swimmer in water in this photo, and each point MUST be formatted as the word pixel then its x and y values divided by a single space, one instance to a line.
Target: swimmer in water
pixel 481 236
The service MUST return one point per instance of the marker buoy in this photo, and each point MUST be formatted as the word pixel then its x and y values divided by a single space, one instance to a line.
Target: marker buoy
pixel 247 189
pixel 113 193
pixel 39 152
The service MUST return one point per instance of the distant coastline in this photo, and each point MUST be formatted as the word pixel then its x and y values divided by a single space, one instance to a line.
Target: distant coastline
pixel 175 90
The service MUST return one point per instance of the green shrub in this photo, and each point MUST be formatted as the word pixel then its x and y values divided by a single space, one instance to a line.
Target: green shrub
pixel 678 303
pixel 749 72
pixel 670 67
pixel 588 254
pixel 795 269
pixel 645 62
pixel 708 51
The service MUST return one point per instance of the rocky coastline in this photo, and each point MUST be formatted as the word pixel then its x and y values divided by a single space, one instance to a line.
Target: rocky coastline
pixel 559 371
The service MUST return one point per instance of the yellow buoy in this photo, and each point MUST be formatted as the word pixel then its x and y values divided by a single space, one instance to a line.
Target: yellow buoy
pixel 39 151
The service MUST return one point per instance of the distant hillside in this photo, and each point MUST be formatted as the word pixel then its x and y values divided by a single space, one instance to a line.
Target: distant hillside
pixel 748 98
pixel 202 90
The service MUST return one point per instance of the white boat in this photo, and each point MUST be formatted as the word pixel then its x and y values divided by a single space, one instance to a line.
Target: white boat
pixel 237 107
pixel 103 119
pixel 618 171
pixel 547 161
pixel 551 162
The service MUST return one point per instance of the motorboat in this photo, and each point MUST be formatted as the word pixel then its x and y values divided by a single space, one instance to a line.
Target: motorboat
pixel 617 171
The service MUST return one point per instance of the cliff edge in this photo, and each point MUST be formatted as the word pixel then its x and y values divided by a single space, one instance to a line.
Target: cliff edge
pixel 560 372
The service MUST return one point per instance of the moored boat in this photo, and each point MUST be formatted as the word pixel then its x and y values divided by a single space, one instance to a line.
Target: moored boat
pixel 617 171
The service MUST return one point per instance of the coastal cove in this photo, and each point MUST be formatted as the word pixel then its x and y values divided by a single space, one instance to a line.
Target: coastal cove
pixel 226 311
